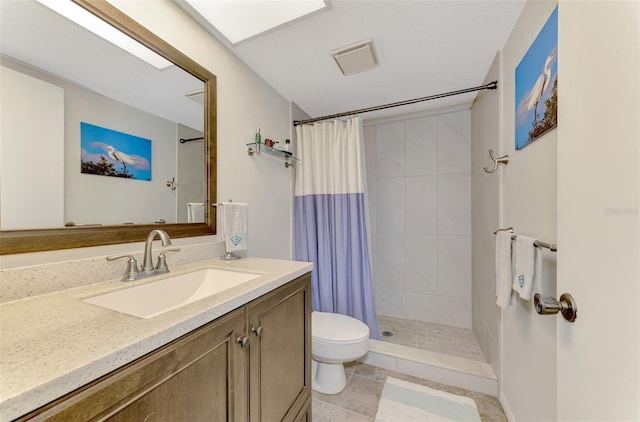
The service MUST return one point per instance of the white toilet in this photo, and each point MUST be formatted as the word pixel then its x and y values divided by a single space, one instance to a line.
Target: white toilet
pixel 335 339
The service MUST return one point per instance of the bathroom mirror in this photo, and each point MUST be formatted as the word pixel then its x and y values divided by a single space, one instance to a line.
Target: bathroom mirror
pixel 42 239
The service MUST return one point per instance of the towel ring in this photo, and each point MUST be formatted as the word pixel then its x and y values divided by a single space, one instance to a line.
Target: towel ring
pixel 496 160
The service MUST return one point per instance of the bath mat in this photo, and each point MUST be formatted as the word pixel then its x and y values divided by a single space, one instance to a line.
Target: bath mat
pixel 404 401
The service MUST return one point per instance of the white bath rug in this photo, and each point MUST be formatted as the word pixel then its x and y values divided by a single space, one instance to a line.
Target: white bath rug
pixel 404 401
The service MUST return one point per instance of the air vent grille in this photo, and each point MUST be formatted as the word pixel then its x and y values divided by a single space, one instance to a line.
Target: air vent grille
pixel 356 58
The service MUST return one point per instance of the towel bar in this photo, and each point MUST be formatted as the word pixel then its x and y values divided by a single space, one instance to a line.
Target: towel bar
pixel 215 204
pixel 551 246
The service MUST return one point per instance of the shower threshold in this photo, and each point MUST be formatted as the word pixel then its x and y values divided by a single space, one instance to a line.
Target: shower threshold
pixel 470 372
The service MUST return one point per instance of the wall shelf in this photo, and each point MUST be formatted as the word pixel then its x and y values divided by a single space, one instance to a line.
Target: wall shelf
pixel 289 159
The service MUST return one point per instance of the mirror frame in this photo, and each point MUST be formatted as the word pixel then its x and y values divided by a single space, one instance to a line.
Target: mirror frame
pixel 36 240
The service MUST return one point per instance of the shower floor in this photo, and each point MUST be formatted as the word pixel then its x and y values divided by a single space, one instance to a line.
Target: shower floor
pixel 453 341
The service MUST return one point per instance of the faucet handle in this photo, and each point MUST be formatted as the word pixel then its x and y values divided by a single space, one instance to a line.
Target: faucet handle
pixel 131 272
pixel 161 266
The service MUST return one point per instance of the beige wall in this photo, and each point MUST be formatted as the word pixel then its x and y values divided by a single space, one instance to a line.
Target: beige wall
pixel 32 155
pixel 485 213
pixel 583 181
pixel 529 186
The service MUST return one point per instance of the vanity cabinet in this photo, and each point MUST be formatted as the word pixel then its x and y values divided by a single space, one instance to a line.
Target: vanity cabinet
pixel 280 353
pixel 253 363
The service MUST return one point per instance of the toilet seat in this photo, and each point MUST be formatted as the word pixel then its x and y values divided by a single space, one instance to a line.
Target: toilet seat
pixel 333 328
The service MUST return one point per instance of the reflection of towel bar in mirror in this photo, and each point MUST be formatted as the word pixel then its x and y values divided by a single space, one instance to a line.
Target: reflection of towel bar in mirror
pixel 496 160
pixel 551 246
pixel 220 203
pixel 182 140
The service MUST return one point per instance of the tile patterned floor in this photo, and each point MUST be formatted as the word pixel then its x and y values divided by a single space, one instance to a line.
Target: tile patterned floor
pixel 358 402
pixel 423 335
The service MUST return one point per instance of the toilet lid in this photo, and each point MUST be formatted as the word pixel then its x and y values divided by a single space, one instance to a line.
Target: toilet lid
pixel 337 328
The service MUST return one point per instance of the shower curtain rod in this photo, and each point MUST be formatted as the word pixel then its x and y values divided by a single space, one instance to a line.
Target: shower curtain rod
pixel 182 140
pixel 492 85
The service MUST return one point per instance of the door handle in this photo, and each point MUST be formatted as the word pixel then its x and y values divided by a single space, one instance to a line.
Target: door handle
pixel 243 340
pixel 548 305
pixel 257 330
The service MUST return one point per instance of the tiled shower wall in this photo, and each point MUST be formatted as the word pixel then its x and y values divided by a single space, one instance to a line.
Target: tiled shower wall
pixel 418 172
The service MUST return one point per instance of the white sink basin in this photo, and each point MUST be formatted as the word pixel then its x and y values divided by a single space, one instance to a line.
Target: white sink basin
pixel 149 300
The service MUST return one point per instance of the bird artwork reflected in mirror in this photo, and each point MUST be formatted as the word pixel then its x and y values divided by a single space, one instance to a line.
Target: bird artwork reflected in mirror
pixel 121 157
pixel 537 86
pixel 107 152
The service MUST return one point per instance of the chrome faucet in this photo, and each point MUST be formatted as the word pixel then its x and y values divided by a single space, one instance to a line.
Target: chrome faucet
pixel 132 273
pixel 147 263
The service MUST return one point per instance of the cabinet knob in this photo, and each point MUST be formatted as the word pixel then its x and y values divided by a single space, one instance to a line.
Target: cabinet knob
pixel 257 330
pixel 243 340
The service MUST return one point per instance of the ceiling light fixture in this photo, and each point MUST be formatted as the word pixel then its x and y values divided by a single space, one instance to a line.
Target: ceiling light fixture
pixel 99 27
pixel 239 20
pixel 356 58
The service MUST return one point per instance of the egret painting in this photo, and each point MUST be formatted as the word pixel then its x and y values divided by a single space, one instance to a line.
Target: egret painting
pixel 107 152
pixel 537 86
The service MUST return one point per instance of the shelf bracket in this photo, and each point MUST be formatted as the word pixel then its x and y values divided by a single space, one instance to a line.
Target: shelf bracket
pixel 253 149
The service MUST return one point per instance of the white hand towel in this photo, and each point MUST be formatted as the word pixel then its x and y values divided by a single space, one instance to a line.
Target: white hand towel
pixel 195 212
pixel 235 224
pixel 537 272
pixel 525 266
pixel 504 269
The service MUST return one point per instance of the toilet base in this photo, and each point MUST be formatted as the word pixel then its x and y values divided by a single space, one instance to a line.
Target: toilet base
pixel 327 378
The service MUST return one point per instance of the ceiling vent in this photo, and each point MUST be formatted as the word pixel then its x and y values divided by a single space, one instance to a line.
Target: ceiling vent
pixel 356 58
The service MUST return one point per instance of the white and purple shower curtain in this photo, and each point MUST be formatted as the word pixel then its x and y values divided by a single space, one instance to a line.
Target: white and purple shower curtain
pixel 330 219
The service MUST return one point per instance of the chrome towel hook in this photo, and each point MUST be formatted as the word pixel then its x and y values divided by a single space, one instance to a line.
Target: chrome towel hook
pixel 496 160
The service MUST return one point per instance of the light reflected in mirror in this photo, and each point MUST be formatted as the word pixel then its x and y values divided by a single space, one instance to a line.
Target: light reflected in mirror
pixel 62 76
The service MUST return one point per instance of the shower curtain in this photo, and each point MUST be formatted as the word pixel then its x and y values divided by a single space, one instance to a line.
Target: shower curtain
pixel 330 219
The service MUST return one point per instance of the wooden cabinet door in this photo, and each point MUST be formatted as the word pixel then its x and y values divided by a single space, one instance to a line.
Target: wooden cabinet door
pixel 305 413
pixel 199 377
pixel 280 352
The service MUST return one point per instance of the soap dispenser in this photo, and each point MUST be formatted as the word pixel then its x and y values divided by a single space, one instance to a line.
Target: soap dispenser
pixel 258 137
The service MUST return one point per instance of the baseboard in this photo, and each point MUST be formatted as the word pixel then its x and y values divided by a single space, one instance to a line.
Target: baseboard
pixel 505 407
pixel 451 370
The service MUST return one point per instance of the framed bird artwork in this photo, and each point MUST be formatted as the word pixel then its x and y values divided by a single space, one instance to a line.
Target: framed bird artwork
pixel 107 152
pixel 537 86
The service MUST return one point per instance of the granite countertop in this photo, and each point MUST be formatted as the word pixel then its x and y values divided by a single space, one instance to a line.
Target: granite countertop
pixel 54 343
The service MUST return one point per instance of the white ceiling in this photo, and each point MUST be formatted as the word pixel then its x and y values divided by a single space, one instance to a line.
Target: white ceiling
pixel 425 47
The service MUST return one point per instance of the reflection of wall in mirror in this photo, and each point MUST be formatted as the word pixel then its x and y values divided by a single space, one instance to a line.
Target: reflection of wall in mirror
pixel 91 200
pixel 110 200
pixel 191 164
pixel 31 158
